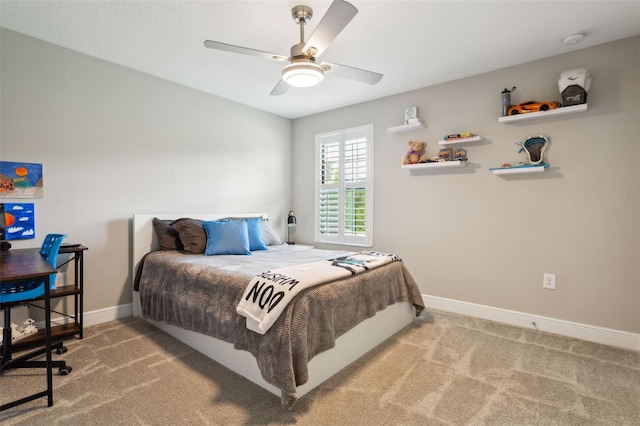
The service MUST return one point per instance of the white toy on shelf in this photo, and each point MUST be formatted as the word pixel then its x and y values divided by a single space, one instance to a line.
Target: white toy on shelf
pixel 28 328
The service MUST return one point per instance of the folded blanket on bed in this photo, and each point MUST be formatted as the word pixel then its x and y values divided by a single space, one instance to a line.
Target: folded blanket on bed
pixel 268 293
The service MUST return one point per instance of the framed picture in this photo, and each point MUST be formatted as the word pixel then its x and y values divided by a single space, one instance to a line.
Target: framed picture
pixel 411 115
pixel 17 222
pixel 21 180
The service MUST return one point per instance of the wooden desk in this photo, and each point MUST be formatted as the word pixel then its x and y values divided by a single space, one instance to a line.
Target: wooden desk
pixel 23 264
pixel 16 265
pixel 28 263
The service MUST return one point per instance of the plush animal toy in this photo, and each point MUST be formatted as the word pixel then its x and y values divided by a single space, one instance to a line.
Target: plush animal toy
pixel 416 153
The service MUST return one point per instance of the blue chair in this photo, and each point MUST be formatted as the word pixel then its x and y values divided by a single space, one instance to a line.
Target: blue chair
pixel 21 292
pixel 24 290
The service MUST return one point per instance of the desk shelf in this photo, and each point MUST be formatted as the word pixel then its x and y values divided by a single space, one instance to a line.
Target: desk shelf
pixel 74 290
pixel 58 332
pixel 67 290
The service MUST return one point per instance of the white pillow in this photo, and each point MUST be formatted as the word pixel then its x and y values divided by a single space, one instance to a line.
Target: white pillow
pixel 270 236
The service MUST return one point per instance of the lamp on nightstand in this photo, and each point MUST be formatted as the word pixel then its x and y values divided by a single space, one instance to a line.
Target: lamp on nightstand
pixel 291 224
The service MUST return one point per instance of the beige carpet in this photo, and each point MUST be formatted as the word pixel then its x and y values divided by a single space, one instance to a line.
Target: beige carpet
pixel 445 369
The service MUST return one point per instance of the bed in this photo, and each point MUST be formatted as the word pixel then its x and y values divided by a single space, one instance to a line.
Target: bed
pixel 322 330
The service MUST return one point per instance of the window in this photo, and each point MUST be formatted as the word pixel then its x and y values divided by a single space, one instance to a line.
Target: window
pixel 344 187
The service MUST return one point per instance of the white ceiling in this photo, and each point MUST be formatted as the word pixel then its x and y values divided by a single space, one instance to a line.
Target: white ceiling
pixel 414 44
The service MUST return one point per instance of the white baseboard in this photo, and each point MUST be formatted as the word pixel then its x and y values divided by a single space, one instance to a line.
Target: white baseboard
pixel 108 314
pixel 606 336
pixel 98 316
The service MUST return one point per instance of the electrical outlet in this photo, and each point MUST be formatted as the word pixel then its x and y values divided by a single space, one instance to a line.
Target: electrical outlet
pixel 549 281
pixel 60 279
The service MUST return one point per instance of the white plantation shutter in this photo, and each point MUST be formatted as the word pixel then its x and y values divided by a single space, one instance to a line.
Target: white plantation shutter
pixel 344 193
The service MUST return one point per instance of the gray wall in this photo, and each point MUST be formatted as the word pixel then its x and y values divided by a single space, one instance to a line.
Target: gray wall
pixel 471 236
pixel 114 142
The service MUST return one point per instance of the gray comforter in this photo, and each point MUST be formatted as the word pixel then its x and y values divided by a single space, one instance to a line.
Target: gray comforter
pixel 201 293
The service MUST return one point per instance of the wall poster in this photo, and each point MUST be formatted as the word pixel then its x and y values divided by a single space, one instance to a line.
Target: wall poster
pixel 21 180
pixel 17 221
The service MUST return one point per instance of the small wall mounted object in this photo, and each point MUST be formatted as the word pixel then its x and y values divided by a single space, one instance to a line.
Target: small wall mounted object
pixel 520 169
pixel 411 122
pixel 406 127
pixel 534 146
pixel 511 119
pixel 460 140
pixel 447 158
pixel 436 165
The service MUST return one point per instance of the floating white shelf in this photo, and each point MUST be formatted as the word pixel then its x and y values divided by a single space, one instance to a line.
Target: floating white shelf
pixel 542 114
pixel 407 127
pixel 436 165
pixel 460 141
pixel 537 168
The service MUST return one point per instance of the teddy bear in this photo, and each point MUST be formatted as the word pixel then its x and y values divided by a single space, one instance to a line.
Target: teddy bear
pixel 416 153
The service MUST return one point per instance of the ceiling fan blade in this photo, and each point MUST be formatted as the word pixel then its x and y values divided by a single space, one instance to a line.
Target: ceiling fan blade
pixel 244 50
pixel 339 14
pixel 352 73
pixel 280 89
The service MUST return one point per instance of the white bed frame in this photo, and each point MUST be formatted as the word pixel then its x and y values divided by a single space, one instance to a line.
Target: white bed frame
pixel 349 347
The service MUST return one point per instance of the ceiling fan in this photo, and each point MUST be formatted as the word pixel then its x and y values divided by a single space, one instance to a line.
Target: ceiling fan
pixel 303 70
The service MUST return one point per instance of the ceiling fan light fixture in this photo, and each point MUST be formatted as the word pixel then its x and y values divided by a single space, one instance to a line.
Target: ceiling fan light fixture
pixel 302 74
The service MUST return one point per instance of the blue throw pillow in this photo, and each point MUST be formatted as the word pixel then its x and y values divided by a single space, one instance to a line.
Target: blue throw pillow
pixel 256 238
pixel 226 237
pixel 254 227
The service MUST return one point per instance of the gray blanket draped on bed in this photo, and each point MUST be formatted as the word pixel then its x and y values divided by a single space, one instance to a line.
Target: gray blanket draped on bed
pixel 200 293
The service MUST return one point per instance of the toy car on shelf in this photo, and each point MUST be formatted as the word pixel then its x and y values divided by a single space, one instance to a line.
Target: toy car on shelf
pixel 533 106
